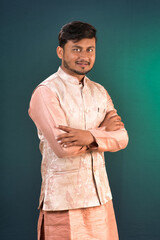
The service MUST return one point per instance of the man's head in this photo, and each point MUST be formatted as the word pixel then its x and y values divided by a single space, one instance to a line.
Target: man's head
pixel 77 42
pixel 75 31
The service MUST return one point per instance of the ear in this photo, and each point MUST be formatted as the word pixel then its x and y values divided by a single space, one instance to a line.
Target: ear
pixel 60 52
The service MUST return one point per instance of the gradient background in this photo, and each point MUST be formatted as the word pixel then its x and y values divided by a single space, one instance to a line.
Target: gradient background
pixel 127 64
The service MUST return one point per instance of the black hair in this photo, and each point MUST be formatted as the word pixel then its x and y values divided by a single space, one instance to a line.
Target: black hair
pixel 76 31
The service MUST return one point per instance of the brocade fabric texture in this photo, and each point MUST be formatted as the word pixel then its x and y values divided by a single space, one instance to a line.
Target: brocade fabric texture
pixel 73 177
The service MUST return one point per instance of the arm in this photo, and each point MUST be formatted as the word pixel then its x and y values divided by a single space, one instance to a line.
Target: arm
pixel 47 114
pixel 114 139
pixel 111 135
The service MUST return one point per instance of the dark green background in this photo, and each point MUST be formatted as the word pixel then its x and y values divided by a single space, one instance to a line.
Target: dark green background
pixel 127 64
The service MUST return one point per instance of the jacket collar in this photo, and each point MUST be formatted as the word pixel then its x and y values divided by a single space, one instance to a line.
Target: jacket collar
pixel 69 78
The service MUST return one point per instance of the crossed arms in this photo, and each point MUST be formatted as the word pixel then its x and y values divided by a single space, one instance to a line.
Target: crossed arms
pixel 77 137
pixel 48 116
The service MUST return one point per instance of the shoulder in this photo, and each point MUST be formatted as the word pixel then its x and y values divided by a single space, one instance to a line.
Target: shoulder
pixel 49 80
pixel 45 88
pixel 49 83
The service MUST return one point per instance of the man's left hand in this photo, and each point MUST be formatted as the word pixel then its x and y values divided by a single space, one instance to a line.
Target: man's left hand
pixel 74 137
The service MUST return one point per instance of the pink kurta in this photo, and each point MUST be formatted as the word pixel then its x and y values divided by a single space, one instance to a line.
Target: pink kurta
pixel 94 223
pixel 74 178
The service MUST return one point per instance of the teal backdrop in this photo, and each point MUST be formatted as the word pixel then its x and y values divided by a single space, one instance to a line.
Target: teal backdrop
pixel 127 64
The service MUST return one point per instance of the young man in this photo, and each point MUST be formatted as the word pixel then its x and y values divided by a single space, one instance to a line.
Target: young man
pixel 76 123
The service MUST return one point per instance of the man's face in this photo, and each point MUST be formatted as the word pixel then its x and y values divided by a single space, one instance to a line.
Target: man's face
pixel 78 57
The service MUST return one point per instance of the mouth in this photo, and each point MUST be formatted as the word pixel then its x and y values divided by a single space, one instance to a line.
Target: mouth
pixel 83 63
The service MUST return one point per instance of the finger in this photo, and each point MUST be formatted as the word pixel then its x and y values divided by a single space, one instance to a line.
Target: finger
pixel 119 118
pixel 65 128
pixel 64 135
pixel 120 125
pixel 111 113
pixel 115 118
pixel 116 124
pixel 65 145
pixel 71 144
pixel 65 140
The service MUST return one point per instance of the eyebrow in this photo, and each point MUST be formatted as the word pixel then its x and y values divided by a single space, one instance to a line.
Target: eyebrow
pixel 82 47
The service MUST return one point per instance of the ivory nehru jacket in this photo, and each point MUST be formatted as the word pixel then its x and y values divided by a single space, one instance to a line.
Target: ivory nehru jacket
pixel 73 177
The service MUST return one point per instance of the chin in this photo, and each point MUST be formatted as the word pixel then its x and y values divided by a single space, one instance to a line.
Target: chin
pixel 82 72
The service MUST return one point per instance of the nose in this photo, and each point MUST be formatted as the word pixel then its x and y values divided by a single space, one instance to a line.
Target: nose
pixel 84 54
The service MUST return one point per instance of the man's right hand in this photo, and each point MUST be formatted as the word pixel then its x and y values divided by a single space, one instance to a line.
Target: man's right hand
pixel 112 122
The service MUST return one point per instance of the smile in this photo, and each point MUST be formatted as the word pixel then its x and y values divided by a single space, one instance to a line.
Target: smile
pixel 83 64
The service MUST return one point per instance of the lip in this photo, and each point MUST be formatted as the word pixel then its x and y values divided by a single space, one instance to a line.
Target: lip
pixel 82 64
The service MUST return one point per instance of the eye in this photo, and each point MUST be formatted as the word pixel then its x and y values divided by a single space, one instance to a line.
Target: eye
pixel 76 50
pixel 90 50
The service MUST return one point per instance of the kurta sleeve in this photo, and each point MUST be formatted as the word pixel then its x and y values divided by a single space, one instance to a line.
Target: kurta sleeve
pixel 47 114
pixel 111 141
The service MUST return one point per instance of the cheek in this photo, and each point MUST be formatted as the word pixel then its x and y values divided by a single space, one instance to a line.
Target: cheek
pixel 70 58
pixel 92 59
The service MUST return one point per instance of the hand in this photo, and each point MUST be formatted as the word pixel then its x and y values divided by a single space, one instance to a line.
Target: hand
pixel 112 122
pixel 74 137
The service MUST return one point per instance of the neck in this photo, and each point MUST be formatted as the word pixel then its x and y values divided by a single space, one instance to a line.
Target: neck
pixel 78 76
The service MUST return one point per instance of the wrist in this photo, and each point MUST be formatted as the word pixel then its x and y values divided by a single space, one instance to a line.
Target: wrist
pixel 91 138
pixel 93 142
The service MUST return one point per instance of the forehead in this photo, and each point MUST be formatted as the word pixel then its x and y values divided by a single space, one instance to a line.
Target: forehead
pixel 84 43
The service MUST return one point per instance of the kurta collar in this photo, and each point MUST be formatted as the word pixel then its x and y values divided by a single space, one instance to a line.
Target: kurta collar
pixel 69 78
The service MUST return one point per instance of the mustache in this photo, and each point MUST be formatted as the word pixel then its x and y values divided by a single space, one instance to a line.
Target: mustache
pixel 83 62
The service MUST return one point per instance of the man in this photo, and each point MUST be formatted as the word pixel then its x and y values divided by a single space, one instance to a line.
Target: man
pixel 76 123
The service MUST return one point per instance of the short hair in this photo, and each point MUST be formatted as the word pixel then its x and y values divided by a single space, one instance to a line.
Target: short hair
pixel 76 31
